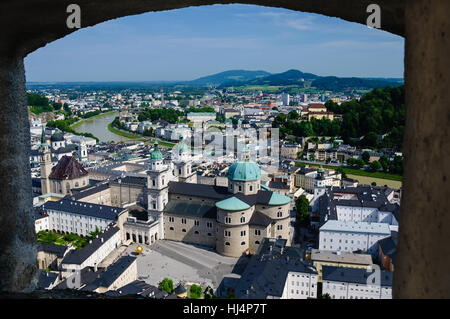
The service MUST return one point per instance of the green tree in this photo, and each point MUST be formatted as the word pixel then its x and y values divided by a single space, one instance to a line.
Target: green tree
pixel 375 166
pixel 166 285
pixel 195 292
pixel 302 209
pixel 365 156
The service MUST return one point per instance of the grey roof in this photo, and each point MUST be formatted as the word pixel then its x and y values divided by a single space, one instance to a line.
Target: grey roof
pixel 87 275
pixel 139 287
pixel 193 209
pixel 111 274
pixel 366 196
pixel 267 270
pixel 137 180
pixel 58 250
pixel 389 246
pixel 86 209
pixel 198 190
pixel 78 256
pixel 278 185
pixel 354 275
pixel 260 219
pixel 45 280
pixel 88 192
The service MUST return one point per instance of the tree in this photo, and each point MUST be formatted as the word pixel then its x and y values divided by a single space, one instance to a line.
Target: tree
pixel 195 292
pixel 293 115
pixel 209 293
pixel 302 209
pixel 375 166
pixel 167 285
pixel 365 156
pixel 340 170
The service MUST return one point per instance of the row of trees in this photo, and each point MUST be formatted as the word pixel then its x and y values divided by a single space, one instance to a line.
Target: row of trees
pixel 169 115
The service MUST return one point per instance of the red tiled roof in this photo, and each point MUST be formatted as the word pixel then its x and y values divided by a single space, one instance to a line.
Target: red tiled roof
pixel 68 168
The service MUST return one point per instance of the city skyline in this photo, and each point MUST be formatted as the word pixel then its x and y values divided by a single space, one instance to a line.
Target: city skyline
pixel 185 44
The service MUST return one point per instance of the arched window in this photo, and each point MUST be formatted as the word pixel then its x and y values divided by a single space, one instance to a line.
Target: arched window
pixel 257 242
pixel 243 243
pixel 171 228
pixel 196 232
pixel 183 230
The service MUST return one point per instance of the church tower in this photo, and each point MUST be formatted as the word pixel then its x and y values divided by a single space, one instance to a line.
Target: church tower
pixel 183 163
pixel 158 177
pixel 45 163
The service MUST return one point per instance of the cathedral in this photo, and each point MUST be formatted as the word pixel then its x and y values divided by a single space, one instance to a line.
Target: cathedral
pixel 232 219
pixel 168 203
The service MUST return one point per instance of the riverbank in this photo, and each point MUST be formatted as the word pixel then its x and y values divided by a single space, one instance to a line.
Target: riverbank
pixel 116 131
pixel 80 122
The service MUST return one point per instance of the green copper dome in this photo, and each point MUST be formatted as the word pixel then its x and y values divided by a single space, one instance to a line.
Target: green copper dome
pixel 278 199
pixel 232 203
pixel 182 147
pixel 156 155
pixel 244 170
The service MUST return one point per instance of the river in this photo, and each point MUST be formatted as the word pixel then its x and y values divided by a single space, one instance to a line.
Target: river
pixel 99 128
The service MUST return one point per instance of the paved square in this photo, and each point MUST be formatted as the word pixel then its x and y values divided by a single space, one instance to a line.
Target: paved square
pixel 185 262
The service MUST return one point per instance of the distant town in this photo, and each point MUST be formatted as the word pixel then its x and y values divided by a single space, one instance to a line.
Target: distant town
pixel 217 190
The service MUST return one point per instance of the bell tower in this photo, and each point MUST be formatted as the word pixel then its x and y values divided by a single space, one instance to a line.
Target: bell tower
pixel 158 177
pixel 45 164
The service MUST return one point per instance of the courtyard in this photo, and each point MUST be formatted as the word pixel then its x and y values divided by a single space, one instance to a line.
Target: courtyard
pixel 187 263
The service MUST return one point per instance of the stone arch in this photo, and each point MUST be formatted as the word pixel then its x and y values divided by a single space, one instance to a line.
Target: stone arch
pixel 28 25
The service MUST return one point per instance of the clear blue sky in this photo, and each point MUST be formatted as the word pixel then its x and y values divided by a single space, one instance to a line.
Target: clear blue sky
pixel 189 43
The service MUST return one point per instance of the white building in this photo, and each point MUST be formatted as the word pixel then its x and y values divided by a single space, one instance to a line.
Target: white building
pixel 93 254
pixel 276 271
pixel 356 283
pixel 351 236
pixel 80 218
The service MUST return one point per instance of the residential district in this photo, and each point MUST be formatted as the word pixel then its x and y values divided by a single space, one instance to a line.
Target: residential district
pixel 153 217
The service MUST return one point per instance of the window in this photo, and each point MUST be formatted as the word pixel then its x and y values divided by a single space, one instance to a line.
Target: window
pixel 242 219
pixel 196 222
pixel 183 220
pixel 209 234
pixel 240 188
pixel 196 232
pixel 227 233
pixel 257 232
pixel 279 227
pixel 279 214
pixel 171 228
pixel 251 188
pixel 171 219
pixel 153 182
pixel 257 242
pixel 228 220
pixel 209 224
pixel 243 243
pixel 183 230
pixel 227 244
pixel 242 232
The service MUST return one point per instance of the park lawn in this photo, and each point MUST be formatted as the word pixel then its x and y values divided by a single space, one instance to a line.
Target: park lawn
pixel 379 181
pixel 358 172
pixel 50 237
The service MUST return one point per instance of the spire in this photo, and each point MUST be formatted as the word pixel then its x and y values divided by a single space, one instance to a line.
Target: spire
pixel 43 137
pixel 156 155
pixel 245 153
